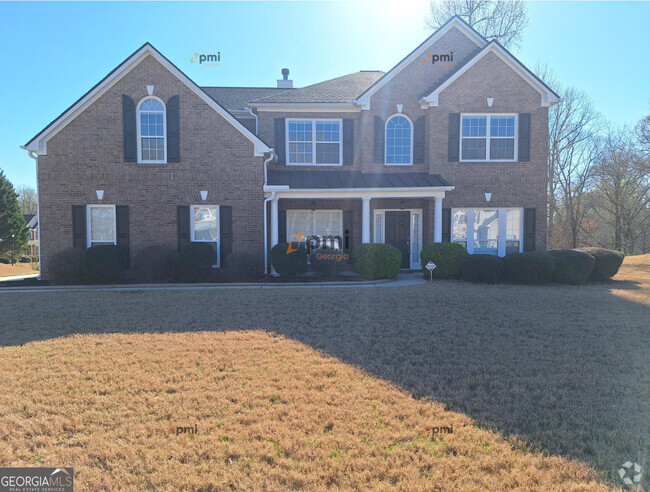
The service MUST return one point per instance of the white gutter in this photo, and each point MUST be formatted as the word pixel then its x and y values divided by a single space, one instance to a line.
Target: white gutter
pixel 33 155
pixel 266 200
pixel 257 122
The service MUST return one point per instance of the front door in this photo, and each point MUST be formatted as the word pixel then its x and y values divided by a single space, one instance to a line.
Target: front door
pixel 398 234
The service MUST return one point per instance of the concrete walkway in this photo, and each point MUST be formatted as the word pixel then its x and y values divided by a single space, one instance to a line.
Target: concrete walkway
pixel 12 278
pixel 402 280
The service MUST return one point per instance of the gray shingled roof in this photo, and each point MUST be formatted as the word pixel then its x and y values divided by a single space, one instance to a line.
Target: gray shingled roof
pixel 233 98
pixel 311 179
pixel 338 90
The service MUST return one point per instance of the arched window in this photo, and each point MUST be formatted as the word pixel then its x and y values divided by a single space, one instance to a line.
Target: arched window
pixel 152 131
pixel 399 140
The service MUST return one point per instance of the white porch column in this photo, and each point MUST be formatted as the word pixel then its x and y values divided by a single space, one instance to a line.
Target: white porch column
pixel 365 220
pixel 274 222
pixel 437 221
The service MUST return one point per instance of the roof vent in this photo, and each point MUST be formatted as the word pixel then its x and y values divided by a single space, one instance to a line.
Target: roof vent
pixel 285 83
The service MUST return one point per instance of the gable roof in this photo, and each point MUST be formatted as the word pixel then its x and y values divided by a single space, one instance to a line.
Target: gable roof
pixel 29 218
pixel 237 98
pixel 453 23
pixel 38 143
pixel 338 90
pixel 548 96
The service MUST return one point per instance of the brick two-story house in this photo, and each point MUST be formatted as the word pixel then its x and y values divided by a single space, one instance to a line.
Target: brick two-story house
pixel 451 144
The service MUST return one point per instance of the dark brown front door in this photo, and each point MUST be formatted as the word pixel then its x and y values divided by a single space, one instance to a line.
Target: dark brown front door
pixel 398 234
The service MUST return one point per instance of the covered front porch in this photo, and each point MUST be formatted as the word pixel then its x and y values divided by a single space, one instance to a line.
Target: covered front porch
pixel 346 208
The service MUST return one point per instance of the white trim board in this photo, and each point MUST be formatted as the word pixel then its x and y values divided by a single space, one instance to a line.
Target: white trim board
pixel 548 97
pixel 370 193
pixel 39 143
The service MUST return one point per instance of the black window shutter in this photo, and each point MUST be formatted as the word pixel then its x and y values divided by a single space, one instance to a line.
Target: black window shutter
pixel 348 229
pixel 280 147
pixel 129 131
pixel 454 137
pixel 225 226
pixel 524 137
pixel 79 226
pixel 282 226
pixel 348 141
pixel 529 229
pixel 418 140
pixel 173 130
pixel 446 225
pixel 379 135
pixel 122 222
pixel 183 225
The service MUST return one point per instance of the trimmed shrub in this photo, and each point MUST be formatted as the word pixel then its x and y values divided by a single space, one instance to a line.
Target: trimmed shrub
pixel 376 260
pixel 66 267
pixel 572 267
pixel 154 264
pixel 194 263
pixel 26 259
pixel 608 261
pixel 447 258
pixel 533 267
pixel 241 266
pixel 103 264
pixel 486 269
pixel 289 265
pixel 328 263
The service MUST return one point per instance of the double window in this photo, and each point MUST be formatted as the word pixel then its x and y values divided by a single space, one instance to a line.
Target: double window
pixel 102 226
pixel 399 140
pixel 488 231
pixel 152 131
pixel 488 137
pixel 326 224
pixel 314 142
pixel 204 226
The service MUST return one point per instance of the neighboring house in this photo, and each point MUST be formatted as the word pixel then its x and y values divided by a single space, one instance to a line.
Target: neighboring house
pixel 451 144
pixel 32 242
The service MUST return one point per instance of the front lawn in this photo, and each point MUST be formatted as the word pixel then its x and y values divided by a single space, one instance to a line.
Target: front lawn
pixel 17 269
pixel 294 387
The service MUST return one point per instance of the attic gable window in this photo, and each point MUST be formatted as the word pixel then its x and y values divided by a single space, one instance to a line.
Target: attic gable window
pixel 152 131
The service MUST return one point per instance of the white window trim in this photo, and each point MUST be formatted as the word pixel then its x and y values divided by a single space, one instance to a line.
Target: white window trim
pixel 410 163
pixel 89 241
pixel 137 113
pixel 218 241
pixel 380 236
pixel 487 137
pixel 501 239
pixel 313 141
pixel 313 221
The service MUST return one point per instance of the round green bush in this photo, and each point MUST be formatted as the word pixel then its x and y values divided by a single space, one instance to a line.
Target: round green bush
pixel 447 258
pixel 608 261
pixel 194 263
pixel 25 259
pixel 376 260
pixel 572 267
pixel 103 264
pixel 154 264
pixel 328 263
pixel 289 265
pixel 66 267
pixel 487 269
pixel 533 267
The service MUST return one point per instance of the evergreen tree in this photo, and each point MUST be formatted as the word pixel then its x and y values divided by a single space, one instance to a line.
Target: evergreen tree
pixel 11 220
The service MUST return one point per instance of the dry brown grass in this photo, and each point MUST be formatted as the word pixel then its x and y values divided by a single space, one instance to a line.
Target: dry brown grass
pixel 17 269
pixel 532 379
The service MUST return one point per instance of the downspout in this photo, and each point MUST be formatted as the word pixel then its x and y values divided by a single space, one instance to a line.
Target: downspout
pixel 250 111
pixel 38 212
pixel 266 201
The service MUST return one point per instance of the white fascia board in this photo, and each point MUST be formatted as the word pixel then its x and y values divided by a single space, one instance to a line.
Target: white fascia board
pixel 39 145
pixel 340 193
pixel 364 100
pixel 307 107
pixel 548 98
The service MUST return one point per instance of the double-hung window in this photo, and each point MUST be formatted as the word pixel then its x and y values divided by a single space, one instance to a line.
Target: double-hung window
pixel 488 137
pixel 152 132
pixel 314 142
pixel 101 224
pixel 399 140
pixel 487 230
pixel 327 225
pixel 204 226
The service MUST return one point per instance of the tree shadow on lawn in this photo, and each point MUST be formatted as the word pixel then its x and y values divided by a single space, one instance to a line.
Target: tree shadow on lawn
pixel 567 368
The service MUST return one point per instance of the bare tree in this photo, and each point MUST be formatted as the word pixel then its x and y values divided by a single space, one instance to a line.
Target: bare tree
pixel 643 134
pixel 502 20
pixel 27 199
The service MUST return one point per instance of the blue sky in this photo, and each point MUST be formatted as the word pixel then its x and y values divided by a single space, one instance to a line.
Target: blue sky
pixel 52 53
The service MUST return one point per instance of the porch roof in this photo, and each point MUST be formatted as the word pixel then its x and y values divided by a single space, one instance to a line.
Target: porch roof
pixel 304 179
